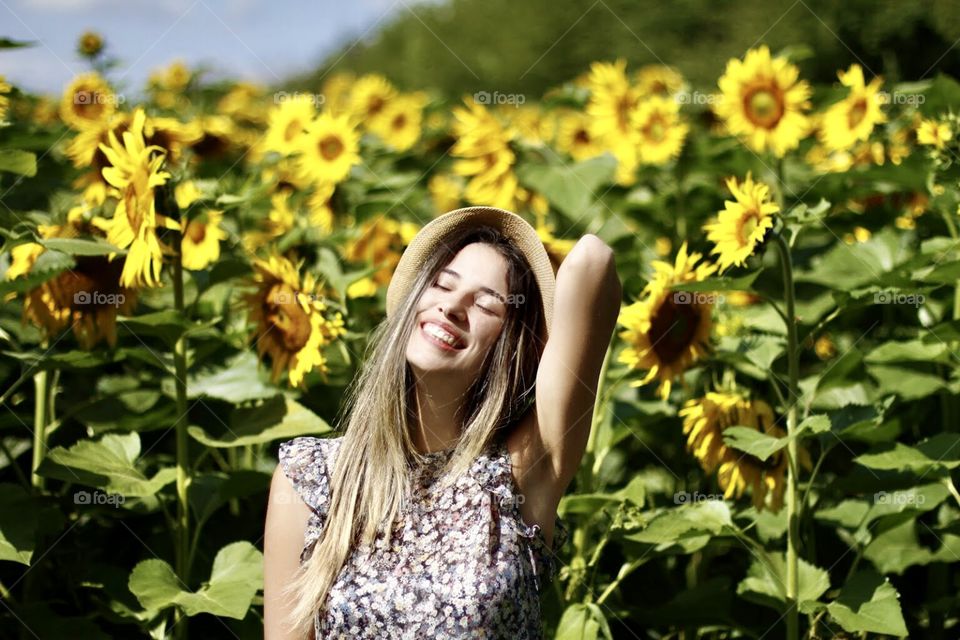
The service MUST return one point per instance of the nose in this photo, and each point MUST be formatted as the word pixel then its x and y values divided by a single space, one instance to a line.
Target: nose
pixel 453 306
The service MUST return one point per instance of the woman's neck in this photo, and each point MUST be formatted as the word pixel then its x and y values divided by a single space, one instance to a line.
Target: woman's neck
pixel 437 425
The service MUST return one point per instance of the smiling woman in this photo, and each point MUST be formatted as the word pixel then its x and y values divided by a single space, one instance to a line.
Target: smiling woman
pixel 434 514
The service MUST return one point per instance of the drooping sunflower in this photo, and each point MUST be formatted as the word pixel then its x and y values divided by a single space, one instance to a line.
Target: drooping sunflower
pixel 85 298
pixel 201 240
pixel 135 170
pixel 743 223
pixel 293 321
pixel 764 102
pixel 574 136
pixel 658 80
pixel 219 135
pixel 4 100
pixel 852 119
pixel 704 421
pixel 661 132
pixel 399 123
pixel 287 122
pixel 328 148
pixel 668 331
pixel 87 101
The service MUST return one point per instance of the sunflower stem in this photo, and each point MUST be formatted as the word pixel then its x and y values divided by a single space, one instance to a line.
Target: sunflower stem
pixel 183 463
pixel 793 367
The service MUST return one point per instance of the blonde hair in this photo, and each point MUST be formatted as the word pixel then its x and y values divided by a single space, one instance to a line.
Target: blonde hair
pixel 370 481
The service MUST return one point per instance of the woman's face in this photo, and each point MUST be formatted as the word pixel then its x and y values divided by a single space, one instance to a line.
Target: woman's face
pixel 464 305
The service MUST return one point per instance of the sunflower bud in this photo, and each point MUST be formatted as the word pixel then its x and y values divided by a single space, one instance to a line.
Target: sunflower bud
pixel 90 44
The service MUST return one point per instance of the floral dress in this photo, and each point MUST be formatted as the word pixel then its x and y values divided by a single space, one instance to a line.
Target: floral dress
pixel 461 563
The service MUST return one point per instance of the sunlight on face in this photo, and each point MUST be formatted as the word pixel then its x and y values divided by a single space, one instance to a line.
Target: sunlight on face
pixel 464 305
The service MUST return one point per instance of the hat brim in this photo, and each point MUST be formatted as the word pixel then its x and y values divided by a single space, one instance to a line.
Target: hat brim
pixel 433 234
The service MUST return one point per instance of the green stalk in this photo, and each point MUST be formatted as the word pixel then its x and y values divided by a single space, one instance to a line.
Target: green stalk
pixel 793 366
pixel 41 407
pixel 182 542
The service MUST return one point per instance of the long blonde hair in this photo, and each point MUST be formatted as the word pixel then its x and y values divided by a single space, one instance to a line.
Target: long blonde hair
pixel 370 481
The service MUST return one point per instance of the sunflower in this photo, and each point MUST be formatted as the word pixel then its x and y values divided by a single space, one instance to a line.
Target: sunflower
pixel 933 133
pixel 319 209
pixel 557 248
pixel 533 125
pixel 658 80
pixel 763 101
pixel 244 103
pixel 174 77
pixel 84 149
pixel 445 191
pixel 574 137
pixel 293 321
pixel 657 121
pixel 743 223
pixel 380 242
pixel 704 421
pixel 853 118
pixel 610 108
pixel 328 148
pixel 336 92
pixel 668 331
pixel 135 170
pixel 399 123
pixel 219 134
pixel 86 297
pixel 172 136
pixel 90 44
pixel 287 122
pixel 201 241
pixel 87 101
pixel 484 156
pixel 4 100
pixel 368 97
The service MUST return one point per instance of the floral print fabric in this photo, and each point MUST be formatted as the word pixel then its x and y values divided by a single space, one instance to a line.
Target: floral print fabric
pixel 460 564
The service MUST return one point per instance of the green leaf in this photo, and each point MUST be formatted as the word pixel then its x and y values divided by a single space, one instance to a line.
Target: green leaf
pixel 906 383
pixel 869 603
pixel 19 525
pixel 898 548
pixel 81 247
pixel 236 576
pixel 671 525
pixel 767 578
pixel 168 325
pixel 749 440
pixel 915 350
pixel 938 452
pixel 570 188
pixel 22 163
pixel 276 418
pixel 7 43
pixel 238 381
pixel 582 622
pixel 109 464
pixel 48 266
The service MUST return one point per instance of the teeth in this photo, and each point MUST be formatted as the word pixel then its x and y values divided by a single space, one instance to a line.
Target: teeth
pixel 440 334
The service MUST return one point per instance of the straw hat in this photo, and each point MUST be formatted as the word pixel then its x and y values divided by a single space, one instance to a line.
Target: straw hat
pixel 431 236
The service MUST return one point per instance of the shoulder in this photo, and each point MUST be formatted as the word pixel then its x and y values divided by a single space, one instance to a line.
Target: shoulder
pixel 307 462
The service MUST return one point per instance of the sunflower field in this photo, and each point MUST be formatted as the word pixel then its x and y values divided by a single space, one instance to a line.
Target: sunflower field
pixel 189 278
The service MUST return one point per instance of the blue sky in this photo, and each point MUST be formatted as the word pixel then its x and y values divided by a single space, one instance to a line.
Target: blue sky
pixel 249 39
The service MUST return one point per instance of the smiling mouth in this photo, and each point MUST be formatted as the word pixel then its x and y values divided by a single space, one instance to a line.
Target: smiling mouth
pixel 441 338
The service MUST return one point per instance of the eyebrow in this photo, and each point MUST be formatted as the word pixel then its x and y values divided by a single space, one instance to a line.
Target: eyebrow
pixel 499 295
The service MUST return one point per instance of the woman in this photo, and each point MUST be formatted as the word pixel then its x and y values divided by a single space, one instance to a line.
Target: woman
pixel 434 515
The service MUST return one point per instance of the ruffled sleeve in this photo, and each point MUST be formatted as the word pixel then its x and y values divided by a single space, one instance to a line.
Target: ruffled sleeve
pixel 495 474
pixel 304 461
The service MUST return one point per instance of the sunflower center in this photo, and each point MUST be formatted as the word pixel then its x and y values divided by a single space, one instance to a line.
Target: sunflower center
pixel 375 105
pixel 581 137
pixel 655 130
pixel 400 122
pixel 748 225
pixel 330 148
pixel 88 104
pixel 196 231
pixel 856 113
pixel 672 329
pixel 763 106
pixel 288 317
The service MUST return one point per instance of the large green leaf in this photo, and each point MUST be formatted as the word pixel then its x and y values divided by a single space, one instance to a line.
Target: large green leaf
pixel 869 603
pixel 570 188
pixel 236 577
pixel 81 247
pixel 695 519
pixel 23 163
pixel 236 382
pixel 767 579
pixel 898 548
pixel 274 419
pixel 583 622
pixel 941 451
pixel 18 526
pixel 109 464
